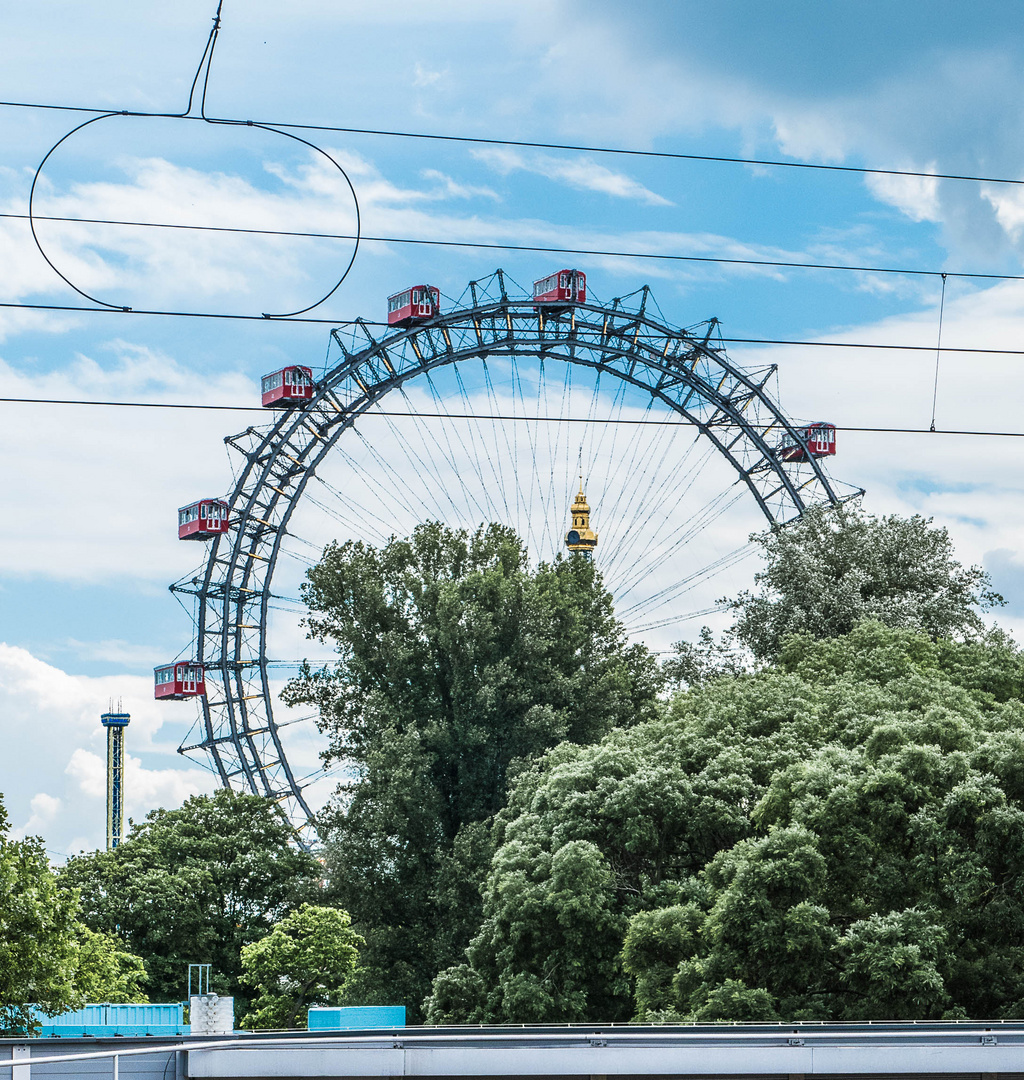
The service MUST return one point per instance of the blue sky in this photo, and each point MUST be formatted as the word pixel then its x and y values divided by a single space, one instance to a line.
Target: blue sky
pixel 87 544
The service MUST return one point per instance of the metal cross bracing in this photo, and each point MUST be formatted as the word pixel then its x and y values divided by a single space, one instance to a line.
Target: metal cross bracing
pixel 681 369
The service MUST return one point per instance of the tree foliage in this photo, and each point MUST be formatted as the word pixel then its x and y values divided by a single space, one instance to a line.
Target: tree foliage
pixel 106 970
pixel 195 884
pixel 837 566
pixel 833 568
pixel 38 927
pixel 305 960
pixel 48 958
pixel 840 836
pixel 457 662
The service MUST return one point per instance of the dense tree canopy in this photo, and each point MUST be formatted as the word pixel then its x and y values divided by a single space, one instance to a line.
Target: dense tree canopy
pixel 195 885
pixel 458 661
pixel 37 934
pixel 835 567
pixel 838 837
pixel 305 960
pixel 47 956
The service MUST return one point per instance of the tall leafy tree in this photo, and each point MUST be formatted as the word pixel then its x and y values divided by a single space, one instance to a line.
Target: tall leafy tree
pixel 840 836
pixel 48 958
pixel 834 567
pixel 458 662
pixel 195 884
pixel 38 935
pixel 305 960
pixel 838 565
pixel 106 971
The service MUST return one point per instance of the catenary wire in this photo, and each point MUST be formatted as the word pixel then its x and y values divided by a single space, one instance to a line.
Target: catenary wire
pixel 664 155
pixel 782 264
pixel 339 322
pixel 496 416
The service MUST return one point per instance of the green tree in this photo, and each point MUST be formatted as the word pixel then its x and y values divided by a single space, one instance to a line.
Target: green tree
pixel 458 662
pixel 106 971
pixel 38 942
pixel 837 566
pixel 195 884
pixel 305 960
pixel 832 568
pixel 837 837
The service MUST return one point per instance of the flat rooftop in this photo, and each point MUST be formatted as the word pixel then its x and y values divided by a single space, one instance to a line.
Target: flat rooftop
pixel 961 1050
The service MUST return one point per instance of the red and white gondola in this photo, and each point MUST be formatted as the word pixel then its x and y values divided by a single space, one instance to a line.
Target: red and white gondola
pixel 561 288
pixel 819 438
pixel 180 680
pixel 288 387
pixel 203 520
pixel 415 304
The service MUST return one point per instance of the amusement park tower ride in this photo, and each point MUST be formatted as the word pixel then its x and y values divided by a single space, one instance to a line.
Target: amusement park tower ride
pixel 581 537
pixel 115 723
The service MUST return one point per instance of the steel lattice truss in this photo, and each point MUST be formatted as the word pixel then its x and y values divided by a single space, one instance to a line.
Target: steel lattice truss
pixel 684 371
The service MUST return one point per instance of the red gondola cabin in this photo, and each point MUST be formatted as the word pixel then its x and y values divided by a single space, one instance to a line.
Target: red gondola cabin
pixel 565 287
pixel 417 303
pixel 180 680
pixel 287 387
pixel 820 439
pixel 202 520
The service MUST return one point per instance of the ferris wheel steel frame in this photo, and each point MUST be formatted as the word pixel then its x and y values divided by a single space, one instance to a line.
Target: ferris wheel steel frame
pixel 683 370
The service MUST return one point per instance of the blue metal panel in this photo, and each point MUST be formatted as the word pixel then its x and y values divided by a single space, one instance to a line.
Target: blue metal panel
pixel 107 1019
pixel 356 1016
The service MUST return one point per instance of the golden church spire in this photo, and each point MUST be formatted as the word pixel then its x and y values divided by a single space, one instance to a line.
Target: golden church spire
pixel 581 537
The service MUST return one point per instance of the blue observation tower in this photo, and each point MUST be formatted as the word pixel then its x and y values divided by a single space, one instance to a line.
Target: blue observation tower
pixel 115 723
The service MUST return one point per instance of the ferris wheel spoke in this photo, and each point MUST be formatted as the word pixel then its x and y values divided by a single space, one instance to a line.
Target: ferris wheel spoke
pixel 423 465
pixel 487 510
pixel 666 546
pixel 634 447
pixel 551 497
pixel 618 406
pixel 671 593
pixel 342 519
pixel 524 508
pixel 718 506
pixel 637 502
pixel 400 485
pixel 382 492
pixel 476 441
pixel 536 499
pixel 512 432
pixel 674 620
pixel 639 529
pixel 701 521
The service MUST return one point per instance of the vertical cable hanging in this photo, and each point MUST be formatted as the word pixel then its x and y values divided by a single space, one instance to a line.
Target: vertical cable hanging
pixel 938 351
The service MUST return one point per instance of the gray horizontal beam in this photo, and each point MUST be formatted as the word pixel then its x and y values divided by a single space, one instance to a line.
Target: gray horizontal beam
pixel 647 1053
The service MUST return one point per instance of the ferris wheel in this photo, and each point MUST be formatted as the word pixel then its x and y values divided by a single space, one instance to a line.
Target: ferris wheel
pixel 495 406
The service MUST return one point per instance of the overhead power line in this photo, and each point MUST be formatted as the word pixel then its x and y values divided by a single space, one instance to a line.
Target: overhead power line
pixel 338 322
pixel 526 144
pixel 791 264
pixel 493 416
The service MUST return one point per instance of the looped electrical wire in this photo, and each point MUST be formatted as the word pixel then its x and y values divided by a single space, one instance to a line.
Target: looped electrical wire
pixel 203 71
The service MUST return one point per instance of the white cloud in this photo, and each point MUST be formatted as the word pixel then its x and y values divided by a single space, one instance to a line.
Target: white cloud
pixel 44 809
pixel 97 498
pixel 1008 204
pixel 452 189
pixel 582 173
pixel 971 484
pixel 423 76
pixel 116 651
pixel 54 747
pixel 915 196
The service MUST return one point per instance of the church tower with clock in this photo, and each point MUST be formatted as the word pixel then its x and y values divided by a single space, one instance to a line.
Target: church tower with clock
pixel 581 537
